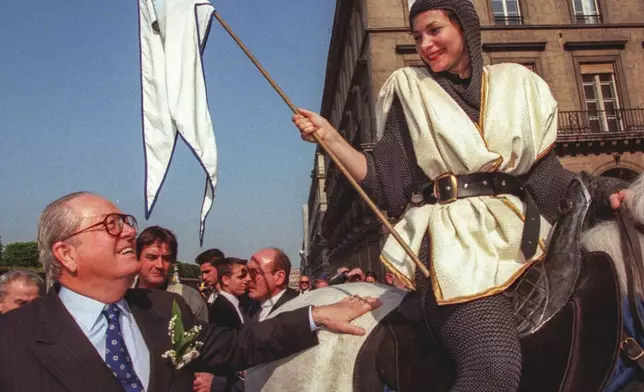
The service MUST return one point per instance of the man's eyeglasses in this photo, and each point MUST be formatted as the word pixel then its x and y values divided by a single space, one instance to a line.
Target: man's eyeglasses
pixel 304 282
pixel 255 272
pixel 113 224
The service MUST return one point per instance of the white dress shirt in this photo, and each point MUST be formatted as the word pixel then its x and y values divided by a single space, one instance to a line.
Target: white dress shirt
pixel 235 301
pixel 267 306
pixel 87 314
pixel 212 297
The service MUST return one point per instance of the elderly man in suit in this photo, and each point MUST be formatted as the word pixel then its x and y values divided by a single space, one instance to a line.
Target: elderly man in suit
pixel 93 334
pixel 269 270
pixel 18 288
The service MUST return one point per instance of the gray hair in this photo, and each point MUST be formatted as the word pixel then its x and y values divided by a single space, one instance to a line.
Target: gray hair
pixel 605 236
pixel 28 277
pixel 57 221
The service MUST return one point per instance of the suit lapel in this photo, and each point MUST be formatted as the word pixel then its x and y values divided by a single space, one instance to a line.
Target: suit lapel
pixel 231 311
pixel 154 328
pixel 61 347
pixel 287 296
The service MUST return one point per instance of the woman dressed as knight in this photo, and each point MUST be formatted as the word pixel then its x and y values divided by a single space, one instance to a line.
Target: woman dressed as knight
pixel 482 136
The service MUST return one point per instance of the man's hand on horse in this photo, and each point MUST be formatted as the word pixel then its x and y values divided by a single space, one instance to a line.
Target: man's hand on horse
pixel 336 317
pixel 616 199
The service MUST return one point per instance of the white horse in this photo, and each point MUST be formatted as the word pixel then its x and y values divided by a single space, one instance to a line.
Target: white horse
pixel 329 365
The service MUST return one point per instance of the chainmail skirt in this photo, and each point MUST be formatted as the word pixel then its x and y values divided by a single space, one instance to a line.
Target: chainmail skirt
pixel 479 336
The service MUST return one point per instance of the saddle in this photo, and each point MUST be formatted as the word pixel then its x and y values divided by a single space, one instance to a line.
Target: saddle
pixel 567 309
pixel 546 287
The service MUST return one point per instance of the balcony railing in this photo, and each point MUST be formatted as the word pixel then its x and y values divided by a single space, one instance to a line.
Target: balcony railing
pixel 508 20
pixel 588 18
pixel 602 123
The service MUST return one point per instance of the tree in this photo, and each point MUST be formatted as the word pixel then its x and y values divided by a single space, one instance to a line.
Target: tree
pixel 188 270
pixel 21 254
pixel 1 250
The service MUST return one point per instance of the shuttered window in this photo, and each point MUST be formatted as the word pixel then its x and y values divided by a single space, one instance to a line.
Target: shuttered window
pixel 601 96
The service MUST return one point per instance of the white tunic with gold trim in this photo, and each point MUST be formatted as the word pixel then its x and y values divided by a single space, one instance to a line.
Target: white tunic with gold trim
pixel 474 242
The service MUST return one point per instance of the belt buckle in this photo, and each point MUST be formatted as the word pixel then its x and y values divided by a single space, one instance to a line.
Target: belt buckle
pixel 452 189
pixel 632 343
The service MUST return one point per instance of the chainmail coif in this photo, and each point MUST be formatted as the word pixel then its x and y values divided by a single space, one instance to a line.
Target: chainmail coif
pixel 467 95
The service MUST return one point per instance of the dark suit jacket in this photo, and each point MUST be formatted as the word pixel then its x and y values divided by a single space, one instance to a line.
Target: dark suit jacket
pixel 288 295
pixel 43 349
pixel 222 312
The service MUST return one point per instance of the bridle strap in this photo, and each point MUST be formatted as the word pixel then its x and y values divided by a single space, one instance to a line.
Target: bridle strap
pixel 632 255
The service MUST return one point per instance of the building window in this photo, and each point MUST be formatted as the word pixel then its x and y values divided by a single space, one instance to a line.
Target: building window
pixel 601 97
pixel 506 12
pixel 622 173
pixel 586 11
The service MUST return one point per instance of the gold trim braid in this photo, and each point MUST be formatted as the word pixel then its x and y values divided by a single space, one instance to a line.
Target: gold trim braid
pixel 405 280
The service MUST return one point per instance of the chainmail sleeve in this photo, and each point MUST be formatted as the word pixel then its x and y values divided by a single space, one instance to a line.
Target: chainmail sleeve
pixel 392 171
pixel 548 181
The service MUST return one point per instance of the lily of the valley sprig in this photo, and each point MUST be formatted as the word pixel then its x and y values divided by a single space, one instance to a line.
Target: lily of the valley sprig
pixel 185 348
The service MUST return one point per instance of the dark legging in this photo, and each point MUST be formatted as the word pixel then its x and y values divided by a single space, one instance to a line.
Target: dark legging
pixel 481 338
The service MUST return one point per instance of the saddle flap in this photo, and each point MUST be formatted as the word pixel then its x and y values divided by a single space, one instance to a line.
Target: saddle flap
pixel 545 287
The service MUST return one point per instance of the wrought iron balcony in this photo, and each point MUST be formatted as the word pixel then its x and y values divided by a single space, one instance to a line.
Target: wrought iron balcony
pixel 508 20
pixel 588 18
pixel 601 124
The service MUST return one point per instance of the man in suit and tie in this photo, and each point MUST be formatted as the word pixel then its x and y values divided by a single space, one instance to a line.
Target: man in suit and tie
pixel 93 334
pixel 156 250
pixel 233 280
pixel 269 270
pixel 227 311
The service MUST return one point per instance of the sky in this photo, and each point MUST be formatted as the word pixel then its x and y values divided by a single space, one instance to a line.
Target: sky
pixel 70 119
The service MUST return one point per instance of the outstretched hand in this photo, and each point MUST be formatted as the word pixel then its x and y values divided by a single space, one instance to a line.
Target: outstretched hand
pixel 336 317
pixel 616 199
pixel 309 123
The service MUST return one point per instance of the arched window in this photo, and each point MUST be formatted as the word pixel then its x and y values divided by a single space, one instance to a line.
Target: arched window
pixel 622 173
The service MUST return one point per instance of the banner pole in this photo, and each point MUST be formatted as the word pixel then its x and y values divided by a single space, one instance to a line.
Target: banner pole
pixel 326 149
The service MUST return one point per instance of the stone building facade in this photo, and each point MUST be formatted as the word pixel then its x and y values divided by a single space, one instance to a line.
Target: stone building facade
pixel 590 52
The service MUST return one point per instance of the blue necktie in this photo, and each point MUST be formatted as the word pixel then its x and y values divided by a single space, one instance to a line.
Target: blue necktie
pixel 116 356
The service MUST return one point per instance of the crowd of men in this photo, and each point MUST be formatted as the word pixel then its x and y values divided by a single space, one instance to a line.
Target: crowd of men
pixel 91 250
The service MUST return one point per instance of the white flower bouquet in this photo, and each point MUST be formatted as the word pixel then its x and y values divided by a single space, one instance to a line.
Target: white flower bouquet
pixel 185 347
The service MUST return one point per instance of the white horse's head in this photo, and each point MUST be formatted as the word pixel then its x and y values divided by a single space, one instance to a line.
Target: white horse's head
pixel 605 236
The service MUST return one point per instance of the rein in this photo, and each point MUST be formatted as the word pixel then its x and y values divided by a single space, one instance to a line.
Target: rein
pixel 632 254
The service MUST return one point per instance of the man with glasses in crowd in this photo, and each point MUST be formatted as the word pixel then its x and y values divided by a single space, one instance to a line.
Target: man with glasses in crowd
pixel 92 333
pixel 269 270
pixel 304 284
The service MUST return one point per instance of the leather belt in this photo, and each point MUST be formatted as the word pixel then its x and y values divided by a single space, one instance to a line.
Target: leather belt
pixel 449 188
